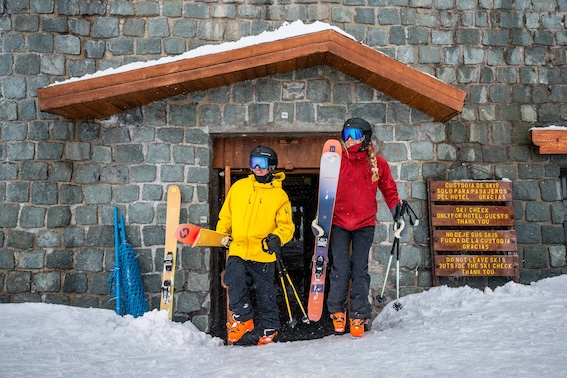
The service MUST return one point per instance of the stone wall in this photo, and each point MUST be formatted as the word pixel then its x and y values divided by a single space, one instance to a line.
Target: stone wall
pixel 61 179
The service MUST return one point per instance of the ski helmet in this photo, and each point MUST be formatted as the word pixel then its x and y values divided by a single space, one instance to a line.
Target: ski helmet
pixel 363 126
pixel 264 157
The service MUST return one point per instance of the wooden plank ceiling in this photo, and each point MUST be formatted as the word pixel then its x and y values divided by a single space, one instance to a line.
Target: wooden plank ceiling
pixel 103 96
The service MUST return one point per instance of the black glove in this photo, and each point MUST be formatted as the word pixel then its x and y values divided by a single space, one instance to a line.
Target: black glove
pixel 396 212
pixel 274 244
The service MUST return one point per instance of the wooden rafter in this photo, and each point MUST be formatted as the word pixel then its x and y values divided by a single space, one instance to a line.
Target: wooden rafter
pixel 103 96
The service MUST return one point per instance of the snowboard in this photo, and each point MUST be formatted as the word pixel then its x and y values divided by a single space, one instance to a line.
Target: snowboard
pixel 170 251
pixel 196 236
pixel 328 179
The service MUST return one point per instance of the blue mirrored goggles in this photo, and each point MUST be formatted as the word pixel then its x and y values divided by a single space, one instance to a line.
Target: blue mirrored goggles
pixel 258 161
pixel 351 132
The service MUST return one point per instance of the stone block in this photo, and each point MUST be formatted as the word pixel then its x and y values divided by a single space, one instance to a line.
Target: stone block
pixel 90 260
pixel 92 7
pixel 60 171
pixel 20 239
pixel 535 257
pixel 557 255
pixel 60 259
pixel 86 215
pixel 174 46
pixel 102 154
pixel 97 194
pixel 18 192
pixel 47 282
pixel 143 173
pixel 53 64
pixel 67 44
pixel 528 233
pixel 32 217
pixel 95 49
pixel 106 27
pixel 114 175
pixel 210 115
pixel 44 193
pixel 100 236
pixel 188 302
pixel 121 46
pixel 73 237
pixel 129 154
pixel 7 260
pixel 75 283
pixel 48 239
pixel 14 87
pixel 31 259
pixel 18 282
pixel 58 216
pixel 185 28
pixel 158 27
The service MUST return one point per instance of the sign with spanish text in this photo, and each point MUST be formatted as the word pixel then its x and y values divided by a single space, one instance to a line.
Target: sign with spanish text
pixel 472 229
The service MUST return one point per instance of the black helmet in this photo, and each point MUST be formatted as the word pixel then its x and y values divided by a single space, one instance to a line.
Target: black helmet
pixel 266 153
pixel 362 125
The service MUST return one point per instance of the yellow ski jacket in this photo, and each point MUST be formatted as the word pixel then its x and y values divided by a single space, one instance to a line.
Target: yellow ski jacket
pixel 253 210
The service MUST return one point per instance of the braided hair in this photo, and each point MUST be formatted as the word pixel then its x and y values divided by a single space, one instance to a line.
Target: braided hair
pixel 373 163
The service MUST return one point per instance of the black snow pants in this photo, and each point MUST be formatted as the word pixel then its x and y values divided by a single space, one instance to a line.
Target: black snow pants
pixel 239 276
pixel 345 267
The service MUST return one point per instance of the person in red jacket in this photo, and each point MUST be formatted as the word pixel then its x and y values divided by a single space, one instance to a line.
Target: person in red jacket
pixel 362 174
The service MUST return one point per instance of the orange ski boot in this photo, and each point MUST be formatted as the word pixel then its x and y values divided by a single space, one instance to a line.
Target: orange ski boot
pixel 268 338
pixel 357 327
pixel 237 329
pixel 338 321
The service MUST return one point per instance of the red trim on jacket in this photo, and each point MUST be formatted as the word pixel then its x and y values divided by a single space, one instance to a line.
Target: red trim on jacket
pixel 355 204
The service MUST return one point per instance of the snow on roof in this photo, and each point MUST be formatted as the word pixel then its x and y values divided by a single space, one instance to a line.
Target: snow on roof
pixel 287 30
pixel 551 127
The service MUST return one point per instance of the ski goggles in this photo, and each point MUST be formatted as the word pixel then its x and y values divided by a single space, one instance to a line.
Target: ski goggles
pixel 258 161
pixel 352 132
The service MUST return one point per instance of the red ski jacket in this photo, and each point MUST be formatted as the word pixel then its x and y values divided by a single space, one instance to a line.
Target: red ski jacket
pixel 355 204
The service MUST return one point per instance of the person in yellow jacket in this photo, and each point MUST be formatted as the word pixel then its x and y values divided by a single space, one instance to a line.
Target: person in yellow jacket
pixel 256 212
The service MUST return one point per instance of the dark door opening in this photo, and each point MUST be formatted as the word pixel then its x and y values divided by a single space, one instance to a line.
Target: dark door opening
pixel 302 189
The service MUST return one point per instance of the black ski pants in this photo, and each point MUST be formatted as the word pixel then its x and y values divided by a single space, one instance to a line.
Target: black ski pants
pixel 239 276
pixel 345 267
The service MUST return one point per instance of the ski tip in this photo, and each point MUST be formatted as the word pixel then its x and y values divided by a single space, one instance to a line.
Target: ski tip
pixel 186 234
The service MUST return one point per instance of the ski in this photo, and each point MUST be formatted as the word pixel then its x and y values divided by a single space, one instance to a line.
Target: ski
pixel 328 179
pixel 196 236
pixel 170 251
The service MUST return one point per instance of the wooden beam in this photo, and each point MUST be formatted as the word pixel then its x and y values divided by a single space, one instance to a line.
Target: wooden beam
pixel 110 94
pixel 550 141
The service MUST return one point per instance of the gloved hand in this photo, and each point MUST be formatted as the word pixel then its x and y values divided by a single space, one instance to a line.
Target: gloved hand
pixel 316 229
pixel 226 241
pixel 274 244
pixel 396 212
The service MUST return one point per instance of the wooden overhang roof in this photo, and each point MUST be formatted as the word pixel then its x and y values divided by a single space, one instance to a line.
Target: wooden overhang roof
pixel 103 96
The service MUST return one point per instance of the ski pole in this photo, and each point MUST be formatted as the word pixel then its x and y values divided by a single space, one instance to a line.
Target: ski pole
pixel 397 234
pixel 305 319
pixel 116 263
pixel 280 275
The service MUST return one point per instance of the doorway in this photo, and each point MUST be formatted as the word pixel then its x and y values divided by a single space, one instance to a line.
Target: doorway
pixel 301 157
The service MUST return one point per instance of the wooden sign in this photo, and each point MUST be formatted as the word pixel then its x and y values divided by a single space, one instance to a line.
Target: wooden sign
pixel 471 265
pixel 474 240
pixel 471 191
pixel 467 215
pixel 476 217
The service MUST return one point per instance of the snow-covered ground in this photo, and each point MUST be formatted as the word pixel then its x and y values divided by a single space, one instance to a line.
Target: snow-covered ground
pixel 513 331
